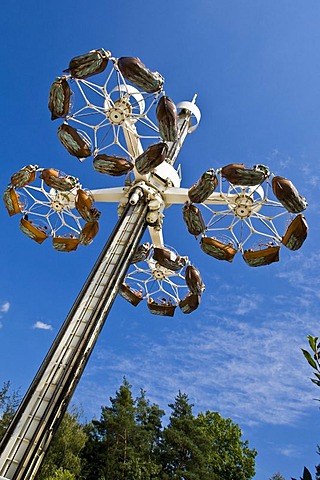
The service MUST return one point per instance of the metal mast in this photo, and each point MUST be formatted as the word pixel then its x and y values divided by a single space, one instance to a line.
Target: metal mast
pixel 41 411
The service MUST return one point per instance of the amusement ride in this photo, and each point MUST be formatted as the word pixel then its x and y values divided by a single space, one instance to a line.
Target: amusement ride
pixel 129 127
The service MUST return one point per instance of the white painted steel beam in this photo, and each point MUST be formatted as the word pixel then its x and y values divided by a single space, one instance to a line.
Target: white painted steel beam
pixel 42 408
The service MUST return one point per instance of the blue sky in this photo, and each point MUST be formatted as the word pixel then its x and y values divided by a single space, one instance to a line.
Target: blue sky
pixel 255 66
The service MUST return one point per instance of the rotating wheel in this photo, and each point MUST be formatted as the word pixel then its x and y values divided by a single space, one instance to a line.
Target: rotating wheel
pixel 114 113
pixel 164 289
pixel 244 217
pixel 52 204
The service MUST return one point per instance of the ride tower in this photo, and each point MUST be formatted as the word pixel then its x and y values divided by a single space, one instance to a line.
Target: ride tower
pixel 131 129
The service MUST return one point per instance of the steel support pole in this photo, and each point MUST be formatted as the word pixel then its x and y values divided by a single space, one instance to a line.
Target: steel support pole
pixel 41 411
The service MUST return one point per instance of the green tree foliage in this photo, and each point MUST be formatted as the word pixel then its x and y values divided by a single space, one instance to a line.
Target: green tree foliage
pixel 122 444
pixel 306 475
pixel 63 456
pixel 318 466
pixel 313 358
pixel 8 405
pixel 183 444
pixel 62 474
pixel 128 442
pixel 148 418
pixel 277 476
pixel 206 447
pixel 227 456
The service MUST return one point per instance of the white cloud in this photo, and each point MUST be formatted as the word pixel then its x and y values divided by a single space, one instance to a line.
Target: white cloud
pixel 252 374
pixel 287 450
pixel 4 307
pixel 241 355
pixel 309 175
pixel 42 326
pixel 244 361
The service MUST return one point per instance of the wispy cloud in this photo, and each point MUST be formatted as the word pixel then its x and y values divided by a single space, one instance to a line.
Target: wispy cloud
pixel 4 307
pixel 251 372
pixel 240 356
pixel 288 451
pixel 301 272
pixel 310 178
pixel 281 159
pixel 42 326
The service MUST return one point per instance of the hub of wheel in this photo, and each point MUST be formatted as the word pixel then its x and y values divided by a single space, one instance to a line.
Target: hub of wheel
pixel 243 206
pixel 61 201
pixel 57 205
pixel 160 273
pixel 119 112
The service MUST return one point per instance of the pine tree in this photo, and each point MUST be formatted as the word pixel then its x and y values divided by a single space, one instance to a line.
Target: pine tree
pixel 277 476
pixel 116 430
pixel 182 445
pixel 148 418
pixel 122 443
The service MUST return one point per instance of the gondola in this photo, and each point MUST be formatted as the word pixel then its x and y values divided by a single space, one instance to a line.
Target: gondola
pixel 296 233
pixel 217 249
pixel 265 256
